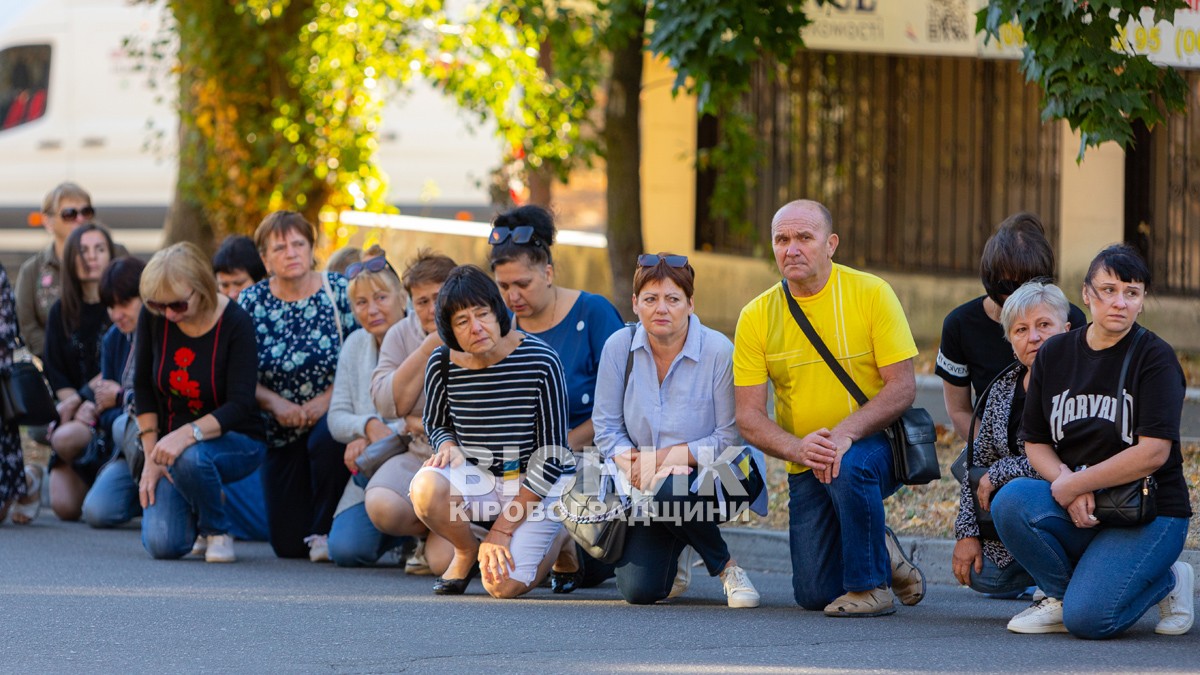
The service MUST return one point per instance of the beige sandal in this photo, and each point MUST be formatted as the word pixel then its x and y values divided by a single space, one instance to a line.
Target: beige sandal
pixel 26 510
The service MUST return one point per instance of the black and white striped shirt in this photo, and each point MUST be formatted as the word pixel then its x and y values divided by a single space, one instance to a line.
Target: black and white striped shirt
pixel 509 418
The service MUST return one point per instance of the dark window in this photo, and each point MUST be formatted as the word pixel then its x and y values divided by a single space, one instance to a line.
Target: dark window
pixel 24 81
pixel 917 158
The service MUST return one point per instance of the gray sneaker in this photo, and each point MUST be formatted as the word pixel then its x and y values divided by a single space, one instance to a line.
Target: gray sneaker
pixel 1043 616
pixel 1176 611
pixel 683 575
pixel 908 582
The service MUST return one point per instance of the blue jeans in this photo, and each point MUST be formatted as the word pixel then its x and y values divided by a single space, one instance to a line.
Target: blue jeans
pixel 354 541
pixel 1106 577
pixel 836 531
pixel 247 507
pixel 113 499
pixel 194 504
pixel 993 579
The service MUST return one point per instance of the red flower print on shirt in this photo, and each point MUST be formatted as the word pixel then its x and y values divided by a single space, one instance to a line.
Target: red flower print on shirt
pixel 184 357
pixel 181 383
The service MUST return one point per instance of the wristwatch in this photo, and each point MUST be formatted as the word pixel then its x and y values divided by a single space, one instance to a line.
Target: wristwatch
pixel 196 433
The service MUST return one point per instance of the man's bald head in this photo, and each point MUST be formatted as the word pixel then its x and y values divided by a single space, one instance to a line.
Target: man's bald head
pixel 804 209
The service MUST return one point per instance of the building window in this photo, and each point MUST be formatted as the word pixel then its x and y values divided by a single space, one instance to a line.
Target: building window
pixel 917 158
pixel 24 80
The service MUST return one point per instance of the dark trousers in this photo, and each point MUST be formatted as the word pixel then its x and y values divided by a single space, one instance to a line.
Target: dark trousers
pixel 302 482
pixel 648 565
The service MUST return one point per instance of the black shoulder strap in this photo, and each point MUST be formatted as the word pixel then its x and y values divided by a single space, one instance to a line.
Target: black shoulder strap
pixel 1137 339
pixel 629 360
pixel 979 404
pixel 811 333
pixel 444 366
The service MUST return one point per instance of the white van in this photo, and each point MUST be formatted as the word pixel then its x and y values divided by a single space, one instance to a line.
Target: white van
pixel 74 107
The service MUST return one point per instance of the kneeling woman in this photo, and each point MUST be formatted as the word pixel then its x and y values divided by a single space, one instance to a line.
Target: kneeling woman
pixel 194 381
pixel 664 407
pixel 496 415
pixel 1086 430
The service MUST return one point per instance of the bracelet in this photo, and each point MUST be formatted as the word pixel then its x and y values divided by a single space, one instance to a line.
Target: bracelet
pixel 507 534
pixel 143 432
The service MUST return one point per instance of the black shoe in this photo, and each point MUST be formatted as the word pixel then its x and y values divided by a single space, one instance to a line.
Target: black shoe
pixel 444 586
pixel 564 582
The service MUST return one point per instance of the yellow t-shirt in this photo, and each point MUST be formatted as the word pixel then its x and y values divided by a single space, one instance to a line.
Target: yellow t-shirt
pixel 861 321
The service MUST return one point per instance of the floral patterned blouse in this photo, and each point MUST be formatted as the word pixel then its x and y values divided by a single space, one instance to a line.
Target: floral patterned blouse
pixel 298 343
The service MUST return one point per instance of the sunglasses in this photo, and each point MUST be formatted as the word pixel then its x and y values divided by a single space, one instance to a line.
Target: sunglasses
pixel 522 234
pixel 73 213
pixel 178 306
pixel 653 259
pixel 372 265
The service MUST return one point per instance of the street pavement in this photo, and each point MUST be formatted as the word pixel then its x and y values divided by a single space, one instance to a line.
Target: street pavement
pixel 80 600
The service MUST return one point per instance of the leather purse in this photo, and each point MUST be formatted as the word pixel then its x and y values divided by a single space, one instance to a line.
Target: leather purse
pixel 913 436
pixel 1134 503
pixel 597 519
pixel 375 454
pixel 27 399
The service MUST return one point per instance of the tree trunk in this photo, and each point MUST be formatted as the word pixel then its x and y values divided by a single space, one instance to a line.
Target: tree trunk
pixel 186 220
pixel 541 181
pixel 622 140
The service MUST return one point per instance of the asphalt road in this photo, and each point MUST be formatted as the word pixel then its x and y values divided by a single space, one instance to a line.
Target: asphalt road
pixel 79 600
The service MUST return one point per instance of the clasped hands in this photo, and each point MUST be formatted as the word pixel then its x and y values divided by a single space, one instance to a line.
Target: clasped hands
pixel 822 451
pixel 1078 503
pixel 642 469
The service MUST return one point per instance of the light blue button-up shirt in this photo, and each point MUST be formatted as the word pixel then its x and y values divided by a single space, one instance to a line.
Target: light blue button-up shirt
pixel 693 405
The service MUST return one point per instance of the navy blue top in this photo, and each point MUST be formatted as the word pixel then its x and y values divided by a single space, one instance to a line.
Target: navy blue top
pixel 579 341
pixel 114 353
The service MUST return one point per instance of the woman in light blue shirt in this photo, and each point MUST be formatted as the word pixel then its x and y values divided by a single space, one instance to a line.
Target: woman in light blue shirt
pixel 669 430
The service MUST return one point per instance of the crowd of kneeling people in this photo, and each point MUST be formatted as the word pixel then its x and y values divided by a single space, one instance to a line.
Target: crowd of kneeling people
pixel 435 410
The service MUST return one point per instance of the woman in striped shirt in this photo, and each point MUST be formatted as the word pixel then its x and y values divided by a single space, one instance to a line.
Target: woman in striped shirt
pixel 496 415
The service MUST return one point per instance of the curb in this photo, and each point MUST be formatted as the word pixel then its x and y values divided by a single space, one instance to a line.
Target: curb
pixel 934 383
pixel 767 551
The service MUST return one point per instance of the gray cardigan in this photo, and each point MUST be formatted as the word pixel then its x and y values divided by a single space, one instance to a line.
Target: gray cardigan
pixel 351 407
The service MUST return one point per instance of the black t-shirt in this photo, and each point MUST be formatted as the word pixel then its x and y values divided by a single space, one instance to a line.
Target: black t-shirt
pixel 973 350
pixel 1072 406
pixel 71 360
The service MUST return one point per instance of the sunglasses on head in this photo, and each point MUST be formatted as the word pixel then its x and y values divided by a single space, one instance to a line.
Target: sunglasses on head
pixel 522 234
pixel 372 265
pixel 73 213
pixel 178 306
pixel 652 259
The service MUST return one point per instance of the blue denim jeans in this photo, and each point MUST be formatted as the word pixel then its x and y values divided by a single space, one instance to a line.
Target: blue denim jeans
pixel 354 541
pixel 194 503
pixel 113 498
pixel 1001 580
pixel 836 531
pixel 1107 577
pixel 247 508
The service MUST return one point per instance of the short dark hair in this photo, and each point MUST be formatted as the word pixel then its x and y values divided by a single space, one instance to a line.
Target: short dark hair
pixel 279 224
pixel 238 252
pixel 537 251
pixel 119 283
pixel 1122 261
pixel 1016 253
pixel 683 277
pixel 427 268
pixel 468 286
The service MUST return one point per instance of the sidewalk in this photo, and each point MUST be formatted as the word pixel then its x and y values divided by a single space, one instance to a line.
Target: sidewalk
pixel 767 551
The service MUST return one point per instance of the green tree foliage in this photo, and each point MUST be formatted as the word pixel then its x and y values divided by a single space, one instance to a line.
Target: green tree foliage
pixel 1090 75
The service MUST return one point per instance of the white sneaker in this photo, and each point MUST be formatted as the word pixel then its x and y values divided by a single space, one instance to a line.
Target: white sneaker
pixel 1038 595
pixel 200 546
pixel 1175 611
pixel 683 575
pixel 219 549
pixel 738 589
pixel 1043 616
pixel 318 547
pixel 416 564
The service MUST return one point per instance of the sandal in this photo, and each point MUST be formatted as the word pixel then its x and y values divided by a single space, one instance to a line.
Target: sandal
pixel 27 508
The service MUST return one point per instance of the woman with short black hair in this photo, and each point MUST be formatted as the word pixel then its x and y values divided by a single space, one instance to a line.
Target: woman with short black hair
pixel 1087 429
pixel 496 416
pixel 238 265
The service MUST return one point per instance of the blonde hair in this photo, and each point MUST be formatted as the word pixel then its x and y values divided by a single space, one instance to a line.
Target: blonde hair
pixel 63 190
pixel 178 270
pixel 385 279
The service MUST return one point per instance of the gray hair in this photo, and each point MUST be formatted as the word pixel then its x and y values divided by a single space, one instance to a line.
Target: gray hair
pixel 1030 295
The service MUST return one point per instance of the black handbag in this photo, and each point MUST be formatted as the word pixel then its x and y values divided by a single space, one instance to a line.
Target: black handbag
pixel 27 399
pixel 975 473
pixel 375 454
pixel 913 436
pixel 598 524
pixel 1134 503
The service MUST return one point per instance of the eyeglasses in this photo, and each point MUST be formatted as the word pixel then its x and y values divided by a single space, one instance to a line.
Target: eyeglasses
pixel 178 306
pixel 372 265
pixel 73 213
pixel 653 259
pixel 522 234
